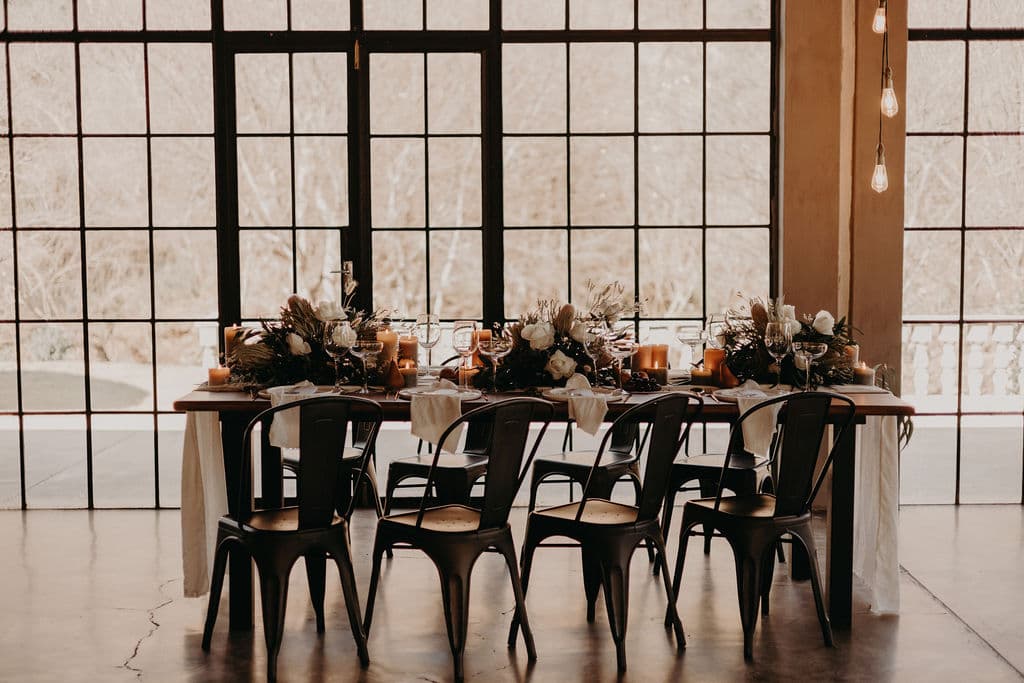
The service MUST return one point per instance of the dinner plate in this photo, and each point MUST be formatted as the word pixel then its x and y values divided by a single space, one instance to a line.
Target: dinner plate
pixel 563 394
pixel 321 389
pixel 463 394
pixel 735 394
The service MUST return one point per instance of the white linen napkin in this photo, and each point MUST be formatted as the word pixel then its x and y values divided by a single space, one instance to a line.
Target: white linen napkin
pixel 284 432
pixel 759 427
pixel 587 409
pixel 433 410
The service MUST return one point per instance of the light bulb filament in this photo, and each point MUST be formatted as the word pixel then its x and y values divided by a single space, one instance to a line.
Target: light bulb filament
pixel 890 105
pixel 880 176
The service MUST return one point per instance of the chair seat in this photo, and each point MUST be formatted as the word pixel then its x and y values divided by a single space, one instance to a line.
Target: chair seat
pixel 596 511
pixel 447 461
pixel 280 520
pixel 292 461
pixel 760 505
pixel 451 519
pixel 715 460
pixel 583 459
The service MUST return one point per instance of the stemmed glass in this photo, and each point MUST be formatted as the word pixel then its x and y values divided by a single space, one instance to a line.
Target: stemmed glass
pixel 691 334
pixel 595 345
pixel 338 336
pixel 809 352
pixel 464 341
pixel 365 349
pixel 428 329
pixel 777 342
pixel 620 344
pixel 715 330
pixel 496 348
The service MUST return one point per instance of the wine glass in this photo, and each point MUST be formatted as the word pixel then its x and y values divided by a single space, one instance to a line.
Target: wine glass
pixel 777 342
pixel 595 342
pixel 715 331
pixel 621 344
pixel 428 330
pixel 465 342
pixel 809 352
pixel 496 348
pixel 365 349
pixel 338 337
pixel 691 334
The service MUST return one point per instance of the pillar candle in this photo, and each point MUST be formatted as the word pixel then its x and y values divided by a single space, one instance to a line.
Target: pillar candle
pixel 479 336
pixel 700 376
pixel 389 338
pixel 408 369
pixel 659 356
pixel 218 377
pixel 852 353
pixel 862 374
pixel 658 374
pixel 408 349
pixel 714 359
pixel 643 358
pixel 231 333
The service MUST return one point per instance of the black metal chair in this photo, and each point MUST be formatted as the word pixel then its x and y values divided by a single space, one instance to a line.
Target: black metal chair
pixel 754 523
pixel 277 536
pixel 453 536
pixel 610 532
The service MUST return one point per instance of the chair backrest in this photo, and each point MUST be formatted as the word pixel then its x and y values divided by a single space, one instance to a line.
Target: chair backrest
pixel 323 427
pixel 802 420
pixel 664 417
pixel 507 424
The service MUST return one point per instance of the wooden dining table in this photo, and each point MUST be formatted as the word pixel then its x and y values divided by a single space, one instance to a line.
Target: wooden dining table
pixel 236 409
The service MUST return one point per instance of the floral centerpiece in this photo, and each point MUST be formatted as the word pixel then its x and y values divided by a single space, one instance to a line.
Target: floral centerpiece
pixel 742 337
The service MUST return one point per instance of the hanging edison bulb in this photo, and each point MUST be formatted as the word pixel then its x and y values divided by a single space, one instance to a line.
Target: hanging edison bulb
pixel 890 105
pixel 878 23
pixel 880 177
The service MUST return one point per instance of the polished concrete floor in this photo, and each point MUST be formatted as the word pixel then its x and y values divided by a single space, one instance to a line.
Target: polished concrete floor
pixel 97 597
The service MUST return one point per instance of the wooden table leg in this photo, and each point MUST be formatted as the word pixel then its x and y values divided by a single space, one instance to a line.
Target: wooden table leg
pixel 840 534
pixel 240 593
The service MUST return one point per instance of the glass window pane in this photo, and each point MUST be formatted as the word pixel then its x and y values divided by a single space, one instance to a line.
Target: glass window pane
pixel 180 88
pixel 739 86
pixel 115 182
pixel 739 14
pixel 55 468
pixel 396 93
pixel 321 181
pixel 738 171
pixel 122 461
pixel 601 181
pixel 6 216
pixel 261 88
pixel 255 15
pixel 393 14
pixel 670 13
pixel 397 183
pixel 400 270
pixel 320 92
pixel 737 264
pixel 598 255
pixel 670 279
pixel 993 268
pixel 929 366
pixel 453 97
pixel 171 440
pixel 997 14
pixel 266 265
pixel 51 15
pixel 991 379
pixel 533 14
pixel 98 15
pixel 10 471
pixel 934 181
pixel 535 181
pixel 183 182
pixel 456 274
pixel 46 182
pixel 585 14
pixel 49 274
pixel 997 86
pixel 264 181
pixel 464 15
pixel 995 166
pixel 670 87
pixel 928 464
pixel 52 367
pixel 535 268
pixel 43 87
pixel 533 88
pixel 990 463
pixel 601 87
pixel 6 276
pixel 670 180
pixel 117 273
pixel 935 86
pixel 318 252
pixel 320 15
pixel 185 273
pixel 121 366
pixel 177 14
pixel 937 14
pixel 113 88
pixel 5 123
pixel 179 361
pixel 455 182
pixel 929 257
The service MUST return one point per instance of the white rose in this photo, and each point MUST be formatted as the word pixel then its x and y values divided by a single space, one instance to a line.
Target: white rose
pixel 343 335
pixel 823 323
pixel 787 312
pixel 540 335
pixel 297 345
pixel 329 310
pixel 579 332
pixel 560 365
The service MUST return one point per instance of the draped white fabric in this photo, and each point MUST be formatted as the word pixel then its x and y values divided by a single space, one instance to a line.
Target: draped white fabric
pixel 876 561
pixel 204 499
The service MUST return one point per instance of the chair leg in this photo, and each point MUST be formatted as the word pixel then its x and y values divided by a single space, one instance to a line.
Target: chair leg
pixel 666 520
pixel 455 593
pixel 638 491
pixel 708 490
pixel 371 596
pixel 615 581
pixel 342 553
pixel 807 540
pixel 371 477
pixel 392 486
pixel 677 579
pixel 673 613
pixel 534 485
pixel 508 550
pixel 220 560
pixel 748 588
pixel 316 573
pixel 530 543
pixel 274 598
pixel 768 573
pixel 591 581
